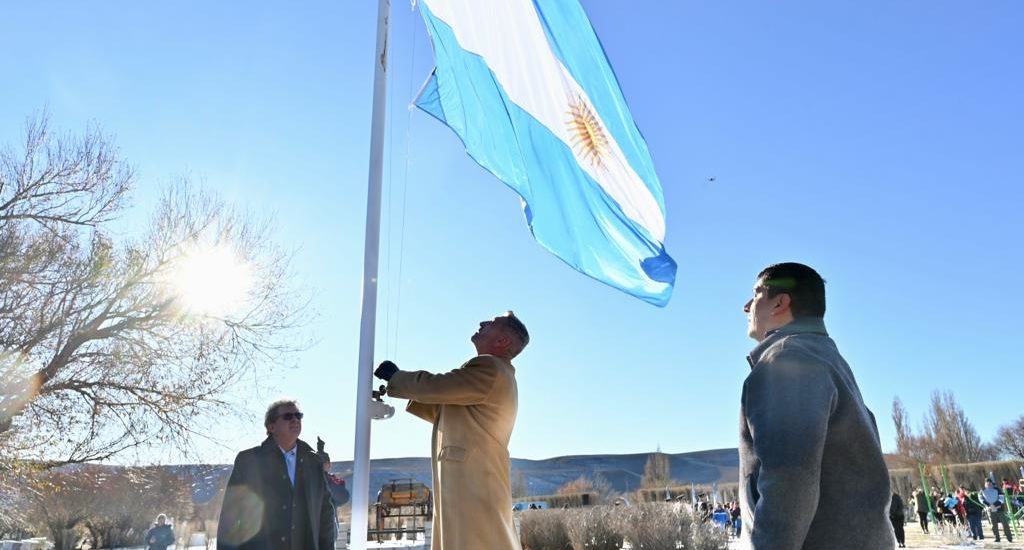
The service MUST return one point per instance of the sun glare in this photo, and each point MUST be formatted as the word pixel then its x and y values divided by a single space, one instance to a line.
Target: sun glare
pixel 211 280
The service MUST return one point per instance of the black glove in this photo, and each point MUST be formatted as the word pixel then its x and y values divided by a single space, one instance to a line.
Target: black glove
pixel 386 370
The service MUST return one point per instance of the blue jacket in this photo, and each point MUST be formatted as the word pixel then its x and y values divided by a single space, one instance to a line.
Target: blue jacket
pixel 812 475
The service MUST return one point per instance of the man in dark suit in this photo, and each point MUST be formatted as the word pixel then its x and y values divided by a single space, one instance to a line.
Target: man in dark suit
pixel 277 497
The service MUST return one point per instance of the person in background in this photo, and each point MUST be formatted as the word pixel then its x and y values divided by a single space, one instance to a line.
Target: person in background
pixel 161 535
pixel 1018 495
pixel 720 517
pixel 336 485
pixel 974 509
pixel 703 510
pixel 921 507
pixel 949 505
pixel 961 511
pixel 1011 491
pixel 277 496
pixel 996 503
pixel 939 508
pixel 897 516
pixel 737 523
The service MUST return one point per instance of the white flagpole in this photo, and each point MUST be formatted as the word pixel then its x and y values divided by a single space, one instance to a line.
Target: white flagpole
pixel 364 381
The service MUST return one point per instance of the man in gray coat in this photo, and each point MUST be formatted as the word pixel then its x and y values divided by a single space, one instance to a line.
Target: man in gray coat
pixel 811 470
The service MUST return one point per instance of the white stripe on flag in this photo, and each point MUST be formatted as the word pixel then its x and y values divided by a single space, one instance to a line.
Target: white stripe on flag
pixel 485 28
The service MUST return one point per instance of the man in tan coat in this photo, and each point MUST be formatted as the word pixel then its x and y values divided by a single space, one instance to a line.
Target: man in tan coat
pixel 473 410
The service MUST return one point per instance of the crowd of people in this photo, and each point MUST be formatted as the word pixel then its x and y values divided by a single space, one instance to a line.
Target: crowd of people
pixel 962 509
pixel 725 515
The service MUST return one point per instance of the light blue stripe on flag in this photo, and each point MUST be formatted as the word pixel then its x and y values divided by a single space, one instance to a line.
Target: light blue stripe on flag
pixel 527 88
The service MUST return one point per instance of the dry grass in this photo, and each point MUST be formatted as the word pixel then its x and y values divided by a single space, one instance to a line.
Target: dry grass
pixel 654 526
pixel 544 530
pixel 645 526
pixel 593 529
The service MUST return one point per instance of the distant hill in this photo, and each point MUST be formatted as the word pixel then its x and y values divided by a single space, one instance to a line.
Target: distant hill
pixel 542 477
pixel 624 472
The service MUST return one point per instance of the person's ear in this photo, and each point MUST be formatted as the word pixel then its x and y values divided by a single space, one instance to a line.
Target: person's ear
pixel 782 302
pixel 504 340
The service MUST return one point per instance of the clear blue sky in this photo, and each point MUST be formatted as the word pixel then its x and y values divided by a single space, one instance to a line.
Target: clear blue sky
pixel 879 142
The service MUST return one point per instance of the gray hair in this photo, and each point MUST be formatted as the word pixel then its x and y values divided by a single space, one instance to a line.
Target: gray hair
pixel 271 415
pixel 518 329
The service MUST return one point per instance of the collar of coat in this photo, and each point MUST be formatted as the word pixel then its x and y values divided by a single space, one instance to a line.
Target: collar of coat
pixel 301 447
pixel 802 325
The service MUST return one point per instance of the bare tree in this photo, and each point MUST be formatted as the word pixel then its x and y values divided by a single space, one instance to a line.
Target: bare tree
pixel 597 486
pixel 114 506
pixel 102 350
pixel 128 500
pixel 582 484
pixel 656 470
pixel 14 517
pixel 908 446
pixel 58 504
pixel 1010 439
pixel 60 181
pixel 950 436
pixel 904 434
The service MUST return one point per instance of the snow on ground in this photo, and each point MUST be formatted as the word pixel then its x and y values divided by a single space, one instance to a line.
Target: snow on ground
pixel 915 540
pixel 735 545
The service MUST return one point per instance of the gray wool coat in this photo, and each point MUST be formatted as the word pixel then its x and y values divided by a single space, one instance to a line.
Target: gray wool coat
pixel 812 475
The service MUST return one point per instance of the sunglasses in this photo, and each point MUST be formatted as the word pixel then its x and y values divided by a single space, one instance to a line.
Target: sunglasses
pixel 290 416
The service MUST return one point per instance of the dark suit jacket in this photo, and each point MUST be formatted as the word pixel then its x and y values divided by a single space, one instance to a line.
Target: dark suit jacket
pixel 260 505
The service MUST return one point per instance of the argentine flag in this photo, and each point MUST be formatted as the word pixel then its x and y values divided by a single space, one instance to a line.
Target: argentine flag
pixel 526 86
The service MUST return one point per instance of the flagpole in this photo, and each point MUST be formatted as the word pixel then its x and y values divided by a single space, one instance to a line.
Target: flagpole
pixel 368 323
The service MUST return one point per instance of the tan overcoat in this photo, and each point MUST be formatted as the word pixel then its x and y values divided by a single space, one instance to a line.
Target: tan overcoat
pixel 473 410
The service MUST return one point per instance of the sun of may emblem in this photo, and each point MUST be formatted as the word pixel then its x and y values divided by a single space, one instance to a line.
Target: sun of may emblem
pixel 589 139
